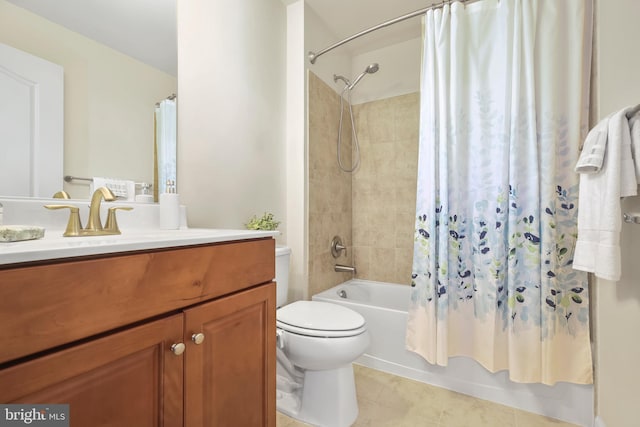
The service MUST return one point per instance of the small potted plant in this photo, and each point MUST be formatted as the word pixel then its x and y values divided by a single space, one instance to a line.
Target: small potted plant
pixel 265 222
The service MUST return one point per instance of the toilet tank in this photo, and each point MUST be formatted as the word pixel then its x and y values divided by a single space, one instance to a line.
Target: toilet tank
pixel 282 274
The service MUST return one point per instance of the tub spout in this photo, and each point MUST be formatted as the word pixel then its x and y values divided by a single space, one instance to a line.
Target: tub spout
pixel 345 268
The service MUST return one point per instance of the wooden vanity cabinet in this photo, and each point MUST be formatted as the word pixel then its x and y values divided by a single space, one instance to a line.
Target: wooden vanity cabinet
pixel 230 376
pixel 131 374
pixel 128 378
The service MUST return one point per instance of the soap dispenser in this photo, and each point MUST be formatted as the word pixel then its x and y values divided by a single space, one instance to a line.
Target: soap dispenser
pixel 170 207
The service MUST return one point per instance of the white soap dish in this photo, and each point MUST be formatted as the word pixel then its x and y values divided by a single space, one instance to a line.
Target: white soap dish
pixel 17 233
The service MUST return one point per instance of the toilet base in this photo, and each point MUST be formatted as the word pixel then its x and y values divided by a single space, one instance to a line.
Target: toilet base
pixel 288 403
pixel 327 398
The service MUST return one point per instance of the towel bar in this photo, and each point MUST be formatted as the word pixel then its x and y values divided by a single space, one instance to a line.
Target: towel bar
pixel 632 218
pixel 69 178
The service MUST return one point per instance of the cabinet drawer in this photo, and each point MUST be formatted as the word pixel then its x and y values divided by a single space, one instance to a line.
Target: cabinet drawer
pixel 45 306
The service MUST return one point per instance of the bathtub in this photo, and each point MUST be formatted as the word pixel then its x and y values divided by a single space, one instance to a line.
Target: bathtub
pixel 384 307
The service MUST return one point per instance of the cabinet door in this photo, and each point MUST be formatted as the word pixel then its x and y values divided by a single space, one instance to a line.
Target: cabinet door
pixel 230 376
pixel 128 378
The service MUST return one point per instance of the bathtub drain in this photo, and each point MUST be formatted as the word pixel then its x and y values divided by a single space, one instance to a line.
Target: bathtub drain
pixel 342 293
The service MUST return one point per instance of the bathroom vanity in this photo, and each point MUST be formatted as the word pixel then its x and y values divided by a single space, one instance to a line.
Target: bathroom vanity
pixel 152 334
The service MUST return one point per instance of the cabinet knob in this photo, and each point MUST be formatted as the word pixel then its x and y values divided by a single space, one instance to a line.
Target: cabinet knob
pixel 178 348
pixel 197 338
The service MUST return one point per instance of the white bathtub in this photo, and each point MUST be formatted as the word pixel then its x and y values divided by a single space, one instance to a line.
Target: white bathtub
pixel 384 307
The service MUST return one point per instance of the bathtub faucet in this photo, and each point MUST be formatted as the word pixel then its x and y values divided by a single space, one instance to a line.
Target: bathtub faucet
pixel 337 247
pixel 344 268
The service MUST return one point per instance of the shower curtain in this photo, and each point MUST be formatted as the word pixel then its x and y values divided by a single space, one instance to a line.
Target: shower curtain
pixel 504 107
pixel 166 136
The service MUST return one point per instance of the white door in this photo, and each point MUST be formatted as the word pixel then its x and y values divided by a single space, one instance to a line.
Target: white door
pixel 31 124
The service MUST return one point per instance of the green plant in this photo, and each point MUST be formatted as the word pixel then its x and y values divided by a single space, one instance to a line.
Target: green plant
pixel 265 222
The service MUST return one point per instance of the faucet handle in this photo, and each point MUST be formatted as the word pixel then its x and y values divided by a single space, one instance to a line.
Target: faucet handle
pixel 111 226
pixel 337 247
pixel 73 225
pixel 61 195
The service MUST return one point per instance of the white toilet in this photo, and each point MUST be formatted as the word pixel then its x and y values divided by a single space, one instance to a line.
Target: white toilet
pixel 317 342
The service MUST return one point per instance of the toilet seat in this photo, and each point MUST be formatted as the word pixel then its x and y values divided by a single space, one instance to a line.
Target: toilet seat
pixel 320 319
pixel 319 332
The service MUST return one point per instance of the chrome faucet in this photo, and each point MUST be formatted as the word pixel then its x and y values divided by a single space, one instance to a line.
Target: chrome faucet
pixel 94 223
pixel 344 268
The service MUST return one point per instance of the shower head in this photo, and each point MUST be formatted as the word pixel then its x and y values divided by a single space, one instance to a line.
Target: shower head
pixel 372 68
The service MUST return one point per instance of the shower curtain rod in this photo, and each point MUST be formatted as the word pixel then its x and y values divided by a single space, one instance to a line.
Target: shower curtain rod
pixel 313 56
pixel 170 98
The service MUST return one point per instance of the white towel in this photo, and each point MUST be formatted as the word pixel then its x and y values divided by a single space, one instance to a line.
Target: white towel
pixel 592 155
pixel 599 213
pixel 634 125
pixel 121 188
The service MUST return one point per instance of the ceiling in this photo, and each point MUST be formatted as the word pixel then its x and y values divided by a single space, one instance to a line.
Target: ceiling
pixel 152 23
pixel 348 17
pixel 116 23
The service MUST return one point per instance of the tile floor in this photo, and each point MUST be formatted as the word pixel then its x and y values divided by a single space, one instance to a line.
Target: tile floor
pixel 387 400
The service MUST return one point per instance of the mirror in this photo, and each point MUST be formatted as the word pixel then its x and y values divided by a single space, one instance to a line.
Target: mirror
pixel 109 96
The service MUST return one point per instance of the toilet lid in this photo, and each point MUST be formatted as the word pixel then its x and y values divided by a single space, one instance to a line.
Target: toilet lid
pixel 323 317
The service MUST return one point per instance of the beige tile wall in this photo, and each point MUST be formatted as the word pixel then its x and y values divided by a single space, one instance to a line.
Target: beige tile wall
pixel 384 188
pixel 329 188
pixel 373 209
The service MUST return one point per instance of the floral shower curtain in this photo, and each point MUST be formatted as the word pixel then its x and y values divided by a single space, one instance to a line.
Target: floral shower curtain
pixel 504 107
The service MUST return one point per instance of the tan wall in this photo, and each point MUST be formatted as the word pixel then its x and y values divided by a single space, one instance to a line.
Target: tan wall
pixel 329 187
pixel 616 308
pixel 109 98
pixel 384 188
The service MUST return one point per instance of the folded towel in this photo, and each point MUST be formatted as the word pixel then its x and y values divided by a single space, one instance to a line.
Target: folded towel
pixel 121 188
pixel 634 125
pixel 599 212
pixel 592 154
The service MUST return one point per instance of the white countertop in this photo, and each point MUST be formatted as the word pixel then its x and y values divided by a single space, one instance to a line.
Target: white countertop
pixel 54 246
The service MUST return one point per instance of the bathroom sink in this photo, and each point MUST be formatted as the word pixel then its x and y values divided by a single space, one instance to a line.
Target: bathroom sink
pixel 140 228
pixel 54 246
